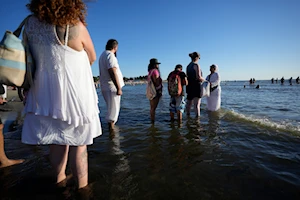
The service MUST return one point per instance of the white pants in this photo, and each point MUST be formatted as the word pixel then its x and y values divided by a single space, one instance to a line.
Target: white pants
pixel 113 104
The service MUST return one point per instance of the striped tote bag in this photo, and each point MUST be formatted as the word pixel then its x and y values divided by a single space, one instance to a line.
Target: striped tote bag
pixel 13 58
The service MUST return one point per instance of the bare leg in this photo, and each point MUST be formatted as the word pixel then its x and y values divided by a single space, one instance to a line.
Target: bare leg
pixel 79 164
pixel 58 159
pixel 197 102
pixel 188 107
pixel 153 106
pixel 179 116
pixel 111 125
pixel 4 161
pixel 2 101
pixel 172 116
pixel 111 128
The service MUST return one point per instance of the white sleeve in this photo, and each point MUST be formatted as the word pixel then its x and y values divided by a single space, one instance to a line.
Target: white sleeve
pixel 112 61
pixel 215 79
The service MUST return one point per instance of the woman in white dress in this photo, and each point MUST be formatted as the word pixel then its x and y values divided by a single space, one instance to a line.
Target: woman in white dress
pixel 62 105
pixel 214 100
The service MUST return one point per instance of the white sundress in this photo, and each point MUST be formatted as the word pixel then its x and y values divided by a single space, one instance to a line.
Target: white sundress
pixel 214 100
pixel 62 105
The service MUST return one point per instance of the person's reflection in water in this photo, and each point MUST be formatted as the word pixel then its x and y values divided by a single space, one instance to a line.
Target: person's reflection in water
pixel 184 155
pixel 121 186
pixel 154 174
pixel 214 128
pixel 213 122
pixel 178 150
pixel 195 129
pixel 155 151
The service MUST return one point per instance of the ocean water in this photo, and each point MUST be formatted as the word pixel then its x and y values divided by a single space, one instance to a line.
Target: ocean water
pixel 250 149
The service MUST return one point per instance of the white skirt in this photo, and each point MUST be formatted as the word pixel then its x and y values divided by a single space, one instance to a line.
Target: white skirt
pixel 46 130
pixel 214 100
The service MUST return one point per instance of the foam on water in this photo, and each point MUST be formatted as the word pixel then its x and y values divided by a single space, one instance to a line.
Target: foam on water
pixel 284 125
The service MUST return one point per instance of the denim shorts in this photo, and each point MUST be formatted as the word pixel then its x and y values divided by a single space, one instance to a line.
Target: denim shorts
pixel 177 104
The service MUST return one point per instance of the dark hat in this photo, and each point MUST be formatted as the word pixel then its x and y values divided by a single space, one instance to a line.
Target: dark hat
pixel 154 61
pixel 178 66
pixel 194 55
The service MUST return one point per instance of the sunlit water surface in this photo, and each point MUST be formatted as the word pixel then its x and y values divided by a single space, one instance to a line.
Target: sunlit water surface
pixel 250 149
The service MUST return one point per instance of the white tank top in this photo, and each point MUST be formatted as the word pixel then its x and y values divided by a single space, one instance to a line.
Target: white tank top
pixel 63 83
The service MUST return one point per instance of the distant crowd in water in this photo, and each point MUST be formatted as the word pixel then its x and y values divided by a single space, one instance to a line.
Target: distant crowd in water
pixel 252 81
pixel 297 80
pixel 282 80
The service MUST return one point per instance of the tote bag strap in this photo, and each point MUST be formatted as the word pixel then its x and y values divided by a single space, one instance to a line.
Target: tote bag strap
pixel 151 75
pixel 67 35
pixel 19 29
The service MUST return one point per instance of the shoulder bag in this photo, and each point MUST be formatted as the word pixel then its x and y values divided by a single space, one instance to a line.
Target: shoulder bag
pixel 150 90
pixel 16 63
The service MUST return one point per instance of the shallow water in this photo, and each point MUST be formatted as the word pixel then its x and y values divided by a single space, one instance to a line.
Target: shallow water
pixel 248 150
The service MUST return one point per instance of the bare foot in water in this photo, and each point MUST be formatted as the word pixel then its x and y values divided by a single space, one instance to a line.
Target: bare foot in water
pixel 85 192
pixel 66 182
pixel 8 162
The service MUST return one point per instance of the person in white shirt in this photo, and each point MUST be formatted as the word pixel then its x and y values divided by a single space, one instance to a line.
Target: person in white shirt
pixel 111 81
pixel 214 100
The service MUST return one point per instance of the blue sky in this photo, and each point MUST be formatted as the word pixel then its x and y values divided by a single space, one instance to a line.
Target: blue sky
pixel 246 38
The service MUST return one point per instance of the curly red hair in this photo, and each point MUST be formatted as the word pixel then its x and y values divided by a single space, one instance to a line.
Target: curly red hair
pixel 59 12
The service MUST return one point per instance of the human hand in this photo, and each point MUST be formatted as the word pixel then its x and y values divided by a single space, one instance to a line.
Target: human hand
pixel 202 79
pixel 159 93
pixel 119 92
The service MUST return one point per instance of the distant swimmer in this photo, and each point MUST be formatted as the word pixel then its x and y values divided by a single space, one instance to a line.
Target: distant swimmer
pixel 290 81
pixel 297 80
pixel 257 87
pixel 282 80
pixel 272 80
